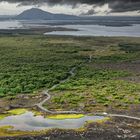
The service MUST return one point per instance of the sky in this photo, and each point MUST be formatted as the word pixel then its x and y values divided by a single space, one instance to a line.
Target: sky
pixel 74 7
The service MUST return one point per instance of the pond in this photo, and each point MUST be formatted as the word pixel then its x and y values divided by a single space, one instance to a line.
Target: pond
pixel 29 122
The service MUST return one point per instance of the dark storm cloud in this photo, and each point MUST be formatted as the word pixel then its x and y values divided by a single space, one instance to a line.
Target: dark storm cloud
pixel 115 5
pixel 53 2
pixel 125 5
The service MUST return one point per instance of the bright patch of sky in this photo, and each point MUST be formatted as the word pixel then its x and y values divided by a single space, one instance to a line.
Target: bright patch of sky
pixel 14 9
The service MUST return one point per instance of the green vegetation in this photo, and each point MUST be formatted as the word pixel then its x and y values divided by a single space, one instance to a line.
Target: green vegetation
pixel 13 112
pixel 65 116
pixel 91 88
pixel 18 111
pixel 130 48
pixel 5 131
pixel 30 64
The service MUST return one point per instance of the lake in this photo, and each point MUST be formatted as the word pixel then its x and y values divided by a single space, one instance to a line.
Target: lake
pixel 99 30
pixel 29 122
pixel 10 24
pixel 84 27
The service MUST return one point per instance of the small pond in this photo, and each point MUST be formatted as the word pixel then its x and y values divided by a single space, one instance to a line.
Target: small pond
pixel 29 122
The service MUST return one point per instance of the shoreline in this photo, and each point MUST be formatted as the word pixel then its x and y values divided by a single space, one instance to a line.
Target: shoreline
pixel 113 129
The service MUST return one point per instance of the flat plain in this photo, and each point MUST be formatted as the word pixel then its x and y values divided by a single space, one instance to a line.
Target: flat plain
pixel 106 76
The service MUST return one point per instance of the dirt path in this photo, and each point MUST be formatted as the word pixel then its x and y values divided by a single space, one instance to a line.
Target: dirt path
pixel 117 115
pixel 72 73
pixel 46 92
pixel 123 116
pixel 40 105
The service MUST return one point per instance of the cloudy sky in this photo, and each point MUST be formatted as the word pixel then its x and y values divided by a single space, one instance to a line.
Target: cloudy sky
pixel 76 7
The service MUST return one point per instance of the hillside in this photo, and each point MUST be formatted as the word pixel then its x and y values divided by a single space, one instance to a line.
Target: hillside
pixel 36 13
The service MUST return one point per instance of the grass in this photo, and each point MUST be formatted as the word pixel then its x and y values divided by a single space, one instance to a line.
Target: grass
pixel 29 64
pixel 2 116
pixel 6 132
pixel 90 88
pixel 18 111
pixel 65 116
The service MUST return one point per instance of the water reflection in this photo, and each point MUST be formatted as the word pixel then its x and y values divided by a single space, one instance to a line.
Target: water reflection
pixel 98 30
pixel 29 122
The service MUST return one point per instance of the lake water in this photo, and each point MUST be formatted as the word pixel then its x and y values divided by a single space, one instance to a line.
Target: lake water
pixel 10 24
pixel 29 122
pixel 99 30
pixel 86 28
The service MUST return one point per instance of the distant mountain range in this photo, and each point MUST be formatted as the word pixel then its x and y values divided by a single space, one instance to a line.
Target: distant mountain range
pixel 36 13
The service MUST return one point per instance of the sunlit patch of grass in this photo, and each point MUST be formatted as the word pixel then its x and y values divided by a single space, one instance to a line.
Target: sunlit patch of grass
pixel 65 116
pixel 5 128
pixel 5 131
pixel 18 111
pixel 103 120
pixel 2 116
pixel 37 113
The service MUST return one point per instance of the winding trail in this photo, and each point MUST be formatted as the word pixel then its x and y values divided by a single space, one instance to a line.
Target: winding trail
pixel 40 105
pixel 117 115
pixel 72 73
pixel 123 116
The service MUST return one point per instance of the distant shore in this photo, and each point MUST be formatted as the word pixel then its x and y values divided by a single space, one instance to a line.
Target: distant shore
pixel 33 31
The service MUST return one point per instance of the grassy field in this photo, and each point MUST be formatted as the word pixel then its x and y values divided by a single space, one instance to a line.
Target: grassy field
pixel 29 64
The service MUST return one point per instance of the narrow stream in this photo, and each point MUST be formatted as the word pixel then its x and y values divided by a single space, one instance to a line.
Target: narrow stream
pixel 29 122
